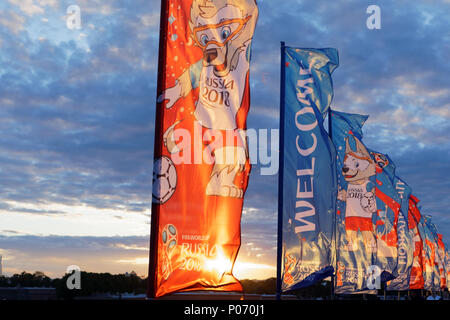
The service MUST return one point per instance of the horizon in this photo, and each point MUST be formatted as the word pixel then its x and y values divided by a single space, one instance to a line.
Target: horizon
pixel 142 277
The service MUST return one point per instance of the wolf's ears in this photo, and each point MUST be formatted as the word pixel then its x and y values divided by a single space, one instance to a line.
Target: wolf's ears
pixel 360 148
pixel 348 149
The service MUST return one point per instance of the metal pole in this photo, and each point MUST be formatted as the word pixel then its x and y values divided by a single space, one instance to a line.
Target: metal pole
pixel 332 287
pixel 333 277
pixel 330 134
pixel 281 167
pixel 159 119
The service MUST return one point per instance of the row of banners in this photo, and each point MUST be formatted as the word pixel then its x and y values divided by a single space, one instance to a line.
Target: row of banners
pixel 343 210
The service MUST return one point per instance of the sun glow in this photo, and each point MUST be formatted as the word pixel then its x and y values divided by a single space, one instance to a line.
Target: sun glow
pixel 139 261
pixel 252 270
pixel 221 264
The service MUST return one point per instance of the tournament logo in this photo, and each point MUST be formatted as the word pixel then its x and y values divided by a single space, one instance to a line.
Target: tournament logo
pixel 169 237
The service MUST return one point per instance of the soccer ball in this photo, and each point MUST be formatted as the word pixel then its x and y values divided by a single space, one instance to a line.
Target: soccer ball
pixel 164 180
pixel 368 202
pixel 169 237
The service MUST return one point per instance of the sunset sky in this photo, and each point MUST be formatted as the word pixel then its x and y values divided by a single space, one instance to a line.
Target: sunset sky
pixel 77 111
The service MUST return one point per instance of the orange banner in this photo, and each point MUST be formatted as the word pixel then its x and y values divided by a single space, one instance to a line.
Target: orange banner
pixel 441 263
pixel 416 280
pixel 201 163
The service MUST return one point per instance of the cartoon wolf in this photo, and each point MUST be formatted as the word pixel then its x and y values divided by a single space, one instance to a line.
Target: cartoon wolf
pixel 360 194
pixel 223 29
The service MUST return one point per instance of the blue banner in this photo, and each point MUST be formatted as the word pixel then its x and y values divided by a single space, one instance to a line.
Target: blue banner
pixel 447 267
pixel 437 259
pixel 388 204
pixel 417 276
pixel 368 209
pixel 428 267
pixel 309 174
pixel 405 241
pixel 355 236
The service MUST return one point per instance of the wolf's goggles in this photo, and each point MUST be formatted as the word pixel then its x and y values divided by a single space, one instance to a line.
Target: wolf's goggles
pixel 219 33
pixel 357 156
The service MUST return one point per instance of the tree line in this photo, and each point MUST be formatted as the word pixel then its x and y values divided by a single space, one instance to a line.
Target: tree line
pixel 107 283
pixel 92 283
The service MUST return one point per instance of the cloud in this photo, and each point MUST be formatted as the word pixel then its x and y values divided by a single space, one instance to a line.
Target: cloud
pixel 27 6
pixel 53 254
pixel 49 3
pixel 12 20
pixel 76 127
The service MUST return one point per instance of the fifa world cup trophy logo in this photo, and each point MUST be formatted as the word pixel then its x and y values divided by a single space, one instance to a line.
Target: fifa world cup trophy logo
pixel 340 274
pixel 169 237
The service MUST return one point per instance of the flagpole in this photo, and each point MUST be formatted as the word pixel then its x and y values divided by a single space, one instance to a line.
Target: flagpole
pixel 330 133
pixel 333 277
pixel 281 169
pixel 153 254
